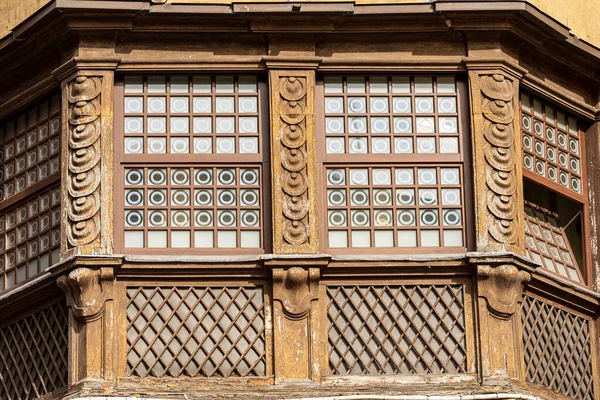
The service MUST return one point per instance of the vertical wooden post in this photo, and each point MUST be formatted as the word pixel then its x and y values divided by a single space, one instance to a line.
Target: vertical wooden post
pixel 296 318
pixel 497 171
pixel 499 213
pixel 87 222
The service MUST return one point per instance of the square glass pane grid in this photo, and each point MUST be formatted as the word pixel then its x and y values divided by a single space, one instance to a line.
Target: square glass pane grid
pixel 547 243
pixel 395 207
pixel 30 237
pixel 551 143
pixel 30 147
pixel 198 207
pixel 185 114
pixel 399 114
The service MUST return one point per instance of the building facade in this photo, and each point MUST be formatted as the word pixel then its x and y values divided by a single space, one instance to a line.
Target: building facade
pixel 350 200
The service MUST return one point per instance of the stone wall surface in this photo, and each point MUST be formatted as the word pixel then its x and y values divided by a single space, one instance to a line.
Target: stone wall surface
pixel 580 16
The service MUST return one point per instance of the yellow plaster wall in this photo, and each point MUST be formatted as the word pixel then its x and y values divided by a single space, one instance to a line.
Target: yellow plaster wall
pixel 581 16
pixel 13 12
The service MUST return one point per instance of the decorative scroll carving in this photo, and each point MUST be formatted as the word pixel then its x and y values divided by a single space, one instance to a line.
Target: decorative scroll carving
pixel 86 291
pixel 499 151
pixel 84 175
pixel 295 288
pixel 502 287
pixel 293 96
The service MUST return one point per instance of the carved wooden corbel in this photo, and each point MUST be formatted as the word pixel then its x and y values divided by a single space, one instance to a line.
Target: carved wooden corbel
pixel 296 324
pixel 502 287
pixel 87 290
pixel 295 288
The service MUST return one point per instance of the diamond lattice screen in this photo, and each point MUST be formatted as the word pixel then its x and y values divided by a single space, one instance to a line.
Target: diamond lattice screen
pixel 33 354
pixel 396 329
pixel 196 331
pixel 557 349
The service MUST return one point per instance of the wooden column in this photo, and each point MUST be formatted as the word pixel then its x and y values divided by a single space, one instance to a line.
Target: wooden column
pixel 87 163
pixel 87 220
pixel 296 322
pixel 497 171
pixel 500 290
pixel 89 293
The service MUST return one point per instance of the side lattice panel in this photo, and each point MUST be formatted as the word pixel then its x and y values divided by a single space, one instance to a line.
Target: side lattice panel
pixel 196 332
pixel 396 329
pixel 33 354
pixel 557 347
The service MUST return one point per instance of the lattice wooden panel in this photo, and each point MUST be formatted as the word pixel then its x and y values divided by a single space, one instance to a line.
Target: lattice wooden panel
pixel 557 349
pixel 33 354
pixel 196 331
pixel 396 329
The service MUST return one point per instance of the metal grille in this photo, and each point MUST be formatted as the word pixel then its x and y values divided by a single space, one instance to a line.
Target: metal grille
pixel 196 331
pixel 33 354
pixel 396 329
pixel 557 349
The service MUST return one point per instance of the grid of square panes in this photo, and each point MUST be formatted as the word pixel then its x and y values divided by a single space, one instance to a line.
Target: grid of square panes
pixel 395 207
pixel 191 114
pixel 192 207
pixel 547 243
pixel 29 237
pixel 398 114
pixel 551 143
pixel 30 149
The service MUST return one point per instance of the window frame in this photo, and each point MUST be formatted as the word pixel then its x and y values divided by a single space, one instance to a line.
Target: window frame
pixel 194 160
pixel 583 198
pixel 46 185
pixel 368 160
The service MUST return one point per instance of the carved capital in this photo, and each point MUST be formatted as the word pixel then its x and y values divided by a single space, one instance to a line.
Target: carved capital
pixel 83 164
pixel 295 288
pixel 87 290
pixel 502 287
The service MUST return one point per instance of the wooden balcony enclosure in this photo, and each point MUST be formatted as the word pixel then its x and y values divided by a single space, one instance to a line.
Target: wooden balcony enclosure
pixel 315 200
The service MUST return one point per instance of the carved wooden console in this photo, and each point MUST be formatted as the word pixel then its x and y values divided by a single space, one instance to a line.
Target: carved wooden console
pixel 89 293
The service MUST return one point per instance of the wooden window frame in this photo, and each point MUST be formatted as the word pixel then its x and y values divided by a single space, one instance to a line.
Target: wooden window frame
pixel 30 193
pixel 582 198
pixel 463 158
pixel 195 160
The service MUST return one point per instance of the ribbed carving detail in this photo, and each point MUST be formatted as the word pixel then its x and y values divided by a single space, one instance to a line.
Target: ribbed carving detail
pixel 499 150
pixel 84 174
pixel 294 184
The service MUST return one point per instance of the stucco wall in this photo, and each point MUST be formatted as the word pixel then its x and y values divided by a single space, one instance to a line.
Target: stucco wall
pixel 581 16
pixel 13 12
